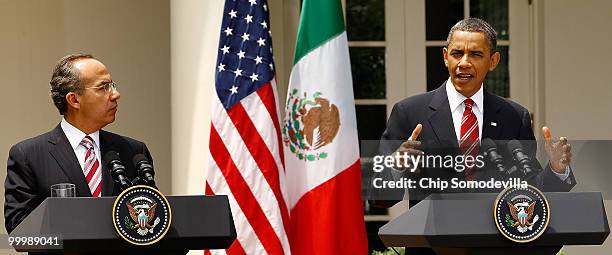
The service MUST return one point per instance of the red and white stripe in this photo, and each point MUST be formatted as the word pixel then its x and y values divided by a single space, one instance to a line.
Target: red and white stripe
pixel 91 169
pixel 469 143
pixel 246 163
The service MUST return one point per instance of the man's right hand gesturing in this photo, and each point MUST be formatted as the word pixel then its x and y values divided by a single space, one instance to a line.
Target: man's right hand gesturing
pixel 408 149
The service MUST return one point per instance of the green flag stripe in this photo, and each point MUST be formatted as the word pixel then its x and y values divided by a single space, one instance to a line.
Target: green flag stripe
pixel 321 20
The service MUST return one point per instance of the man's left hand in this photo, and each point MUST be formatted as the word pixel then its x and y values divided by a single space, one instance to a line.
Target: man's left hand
pixel 559 153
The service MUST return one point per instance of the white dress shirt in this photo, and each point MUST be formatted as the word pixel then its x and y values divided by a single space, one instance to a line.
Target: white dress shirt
pixel 457 107
pixel 75 136
pixel 455 101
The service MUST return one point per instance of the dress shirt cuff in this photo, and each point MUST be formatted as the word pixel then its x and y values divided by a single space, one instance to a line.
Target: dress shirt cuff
pixel 563 176
pixel 397 174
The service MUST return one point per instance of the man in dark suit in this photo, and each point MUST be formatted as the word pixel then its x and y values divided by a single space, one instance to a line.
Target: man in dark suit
pixel 455 117
pixel 83 91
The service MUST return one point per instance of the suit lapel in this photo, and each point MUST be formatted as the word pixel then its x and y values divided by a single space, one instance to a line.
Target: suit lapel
pixel 63 153
pixel 107 181
pixel 441 120
pixel 492 122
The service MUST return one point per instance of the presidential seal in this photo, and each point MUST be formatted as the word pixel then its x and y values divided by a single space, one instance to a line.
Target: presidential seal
pixel 521 214
pixel 142 215
pixel 310 124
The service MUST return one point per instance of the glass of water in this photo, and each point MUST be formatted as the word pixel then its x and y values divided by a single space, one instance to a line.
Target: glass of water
pixel 63 190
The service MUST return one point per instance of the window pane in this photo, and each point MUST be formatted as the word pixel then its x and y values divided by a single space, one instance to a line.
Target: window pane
pixel 368 68
pixel 498 81
pixel 365 20
pixel 440 16
pixel 371 121
pixel 493 11
pixel 436 71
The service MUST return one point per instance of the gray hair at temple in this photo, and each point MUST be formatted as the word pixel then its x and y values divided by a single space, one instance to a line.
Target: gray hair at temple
pixel 65 79
pixel 475 25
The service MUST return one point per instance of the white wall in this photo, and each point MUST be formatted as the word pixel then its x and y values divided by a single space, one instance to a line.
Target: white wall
pixel 195 36
pixel 131 37
pixel 577 36
pixel 577 85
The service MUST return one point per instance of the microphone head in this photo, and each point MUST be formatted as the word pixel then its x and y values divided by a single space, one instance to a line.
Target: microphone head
pixel 139 158
pixel 111 156
pixel 487 144
pixel 514 145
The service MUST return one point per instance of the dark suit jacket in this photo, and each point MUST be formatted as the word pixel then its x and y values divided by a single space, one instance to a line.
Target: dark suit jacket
pixel 37 163
pixel 432 110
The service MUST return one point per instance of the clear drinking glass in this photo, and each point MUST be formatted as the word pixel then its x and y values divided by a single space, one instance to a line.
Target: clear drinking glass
pixel 63 190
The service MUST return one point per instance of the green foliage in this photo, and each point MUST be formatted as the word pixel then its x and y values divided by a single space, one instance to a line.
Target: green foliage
pixel 128 223
pixel 509 221
pixel 389 251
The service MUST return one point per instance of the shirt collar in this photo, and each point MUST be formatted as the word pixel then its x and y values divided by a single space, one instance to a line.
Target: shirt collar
pixel 455 99
pixel 75 135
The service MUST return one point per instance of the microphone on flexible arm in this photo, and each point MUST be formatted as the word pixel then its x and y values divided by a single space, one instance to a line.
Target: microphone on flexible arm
pixel 117 169
pixel 490 151
pixel 522 158
pixel 145 169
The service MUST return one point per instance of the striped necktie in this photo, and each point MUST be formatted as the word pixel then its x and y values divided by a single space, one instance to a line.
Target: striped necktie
pixel 469 144
pixel 91 168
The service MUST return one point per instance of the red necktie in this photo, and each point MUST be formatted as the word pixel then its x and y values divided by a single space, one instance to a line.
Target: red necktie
pixel 469 143
pixel 91 168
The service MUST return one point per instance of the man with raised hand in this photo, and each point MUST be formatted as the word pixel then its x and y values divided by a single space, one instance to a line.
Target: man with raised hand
pixel 457 116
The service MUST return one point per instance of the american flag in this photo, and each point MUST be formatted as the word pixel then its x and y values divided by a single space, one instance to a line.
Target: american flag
pixel 246 157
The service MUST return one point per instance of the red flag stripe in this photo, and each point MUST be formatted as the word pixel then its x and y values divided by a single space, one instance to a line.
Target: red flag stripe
pixel 209 190
pixel 262 155
pixel 243 195
pixel 246 235
pixel 236 247
pixel 267 95
pixel 263 122
pixel 248 166
pixel 340 200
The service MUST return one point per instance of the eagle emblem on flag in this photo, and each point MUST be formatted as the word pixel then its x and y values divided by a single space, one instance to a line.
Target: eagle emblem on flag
pixel 310 124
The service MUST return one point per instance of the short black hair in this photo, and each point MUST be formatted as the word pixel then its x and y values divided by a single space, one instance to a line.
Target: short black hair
pixel 475 25
pixel 65 79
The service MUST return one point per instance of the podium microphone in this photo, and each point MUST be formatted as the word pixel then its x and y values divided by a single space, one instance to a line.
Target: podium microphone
pixel 524 162
pixel 490 151
pixel 117 169
pixel 145 169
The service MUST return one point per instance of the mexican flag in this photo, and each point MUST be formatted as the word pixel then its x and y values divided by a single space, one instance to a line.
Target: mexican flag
pixel 321 148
